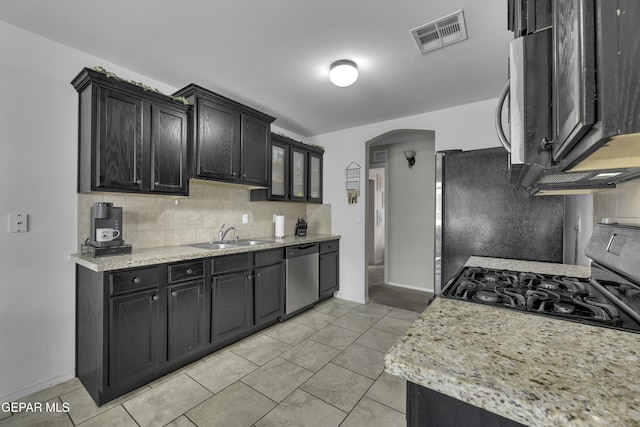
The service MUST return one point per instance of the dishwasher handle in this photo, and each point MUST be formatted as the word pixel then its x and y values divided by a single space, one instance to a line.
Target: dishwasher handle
pixel 302 250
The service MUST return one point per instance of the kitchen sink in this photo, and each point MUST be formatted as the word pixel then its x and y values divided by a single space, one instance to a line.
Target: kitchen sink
pixel 229 244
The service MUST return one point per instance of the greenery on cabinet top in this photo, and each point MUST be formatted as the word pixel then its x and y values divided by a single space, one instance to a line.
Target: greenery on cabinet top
pixel 282 135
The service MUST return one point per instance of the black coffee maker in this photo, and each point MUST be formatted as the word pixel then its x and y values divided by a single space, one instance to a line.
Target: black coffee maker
pixel 105 226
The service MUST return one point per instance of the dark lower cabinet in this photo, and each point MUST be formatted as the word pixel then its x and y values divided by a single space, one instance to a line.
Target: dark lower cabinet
pixel 230 305
pixel 134 339
pixel 329 268
pixel 428 408
pixel 135 325
pixel 185 317
pixel 268 293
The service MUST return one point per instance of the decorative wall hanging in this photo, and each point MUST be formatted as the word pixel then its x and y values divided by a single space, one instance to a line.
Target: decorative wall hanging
pixel 352 183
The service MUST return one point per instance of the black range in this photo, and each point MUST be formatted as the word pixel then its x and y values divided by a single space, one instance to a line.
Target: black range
pixel 610 298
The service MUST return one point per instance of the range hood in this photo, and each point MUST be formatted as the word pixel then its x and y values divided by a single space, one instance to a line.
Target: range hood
pixel 616 161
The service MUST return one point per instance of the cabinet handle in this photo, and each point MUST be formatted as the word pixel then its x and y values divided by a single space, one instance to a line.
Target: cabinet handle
pixel 189 271
pixel 137 280
pixel 174 294
pixel 155 297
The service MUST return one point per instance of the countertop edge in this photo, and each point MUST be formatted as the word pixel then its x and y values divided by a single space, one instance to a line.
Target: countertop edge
pixel 164 254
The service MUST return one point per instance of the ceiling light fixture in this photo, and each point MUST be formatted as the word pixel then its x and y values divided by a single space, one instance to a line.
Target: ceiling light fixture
pixel 343 73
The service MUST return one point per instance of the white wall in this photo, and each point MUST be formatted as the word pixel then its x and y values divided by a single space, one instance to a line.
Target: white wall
pixel 465 127
pixel 577 206
pixel 411 216
pixel 38 164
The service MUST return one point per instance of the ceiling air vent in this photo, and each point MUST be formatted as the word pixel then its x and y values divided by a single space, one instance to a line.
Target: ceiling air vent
pixel 441 32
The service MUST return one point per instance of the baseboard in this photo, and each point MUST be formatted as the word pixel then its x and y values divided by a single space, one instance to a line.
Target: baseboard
pixel 415 288
pixel 26 391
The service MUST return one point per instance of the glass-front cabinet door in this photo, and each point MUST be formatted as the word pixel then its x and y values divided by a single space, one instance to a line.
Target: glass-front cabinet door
pixel 279 171
pixel 298 174
pixel 315 178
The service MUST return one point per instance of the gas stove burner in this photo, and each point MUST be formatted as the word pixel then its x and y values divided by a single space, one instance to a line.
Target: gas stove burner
pixel 487 296
pixel 554 286
pixel 563 308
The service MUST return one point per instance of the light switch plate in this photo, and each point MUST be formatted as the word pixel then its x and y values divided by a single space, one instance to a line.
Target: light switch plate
pixel 18 222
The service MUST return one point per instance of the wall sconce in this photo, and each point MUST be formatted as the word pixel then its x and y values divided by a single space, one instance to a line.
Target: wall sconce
pixel 411 157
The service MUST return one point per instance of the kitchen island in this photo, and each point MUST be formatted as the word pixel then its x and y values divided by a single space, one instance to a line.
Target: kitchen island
pixel 534 370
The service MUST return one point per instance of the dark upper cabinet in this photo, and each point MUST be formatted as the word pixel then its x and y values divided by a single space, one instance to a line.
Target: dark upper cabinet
pixel 229 141
pixel 592 87
pixel 528 16
pixel 254 151
pixel 574 85
pixel 217 147
pixel 296 172
pixel 130 140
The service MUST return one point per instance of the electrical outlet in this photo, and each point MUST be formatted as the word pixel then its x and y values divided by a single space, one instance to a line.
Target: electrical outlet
pixel 245 218
pixel 18 222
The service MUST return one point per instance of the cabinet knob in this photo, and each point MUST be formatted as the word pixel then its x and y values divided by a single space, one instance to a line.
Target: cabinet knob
pixel 174 294
pixel 137 280
pixel 156 183
pixel 138 182
pixel 244 175
pixel 189 271
pixel 155 298
pixel 233 174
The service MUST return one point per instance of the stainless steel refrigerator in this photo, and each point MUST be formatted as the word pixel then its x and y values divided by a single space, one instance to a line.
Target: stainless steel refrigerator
pixel 479 213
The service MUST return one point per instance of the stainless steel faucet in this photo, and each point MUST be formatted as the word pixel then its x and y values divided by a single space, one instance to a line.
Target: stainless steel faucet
pixel 222 233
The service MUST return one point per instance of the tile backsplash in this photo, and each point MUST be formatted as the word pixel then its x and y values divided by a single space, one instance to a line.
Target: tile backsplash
pixel 621 204
pixel 153 221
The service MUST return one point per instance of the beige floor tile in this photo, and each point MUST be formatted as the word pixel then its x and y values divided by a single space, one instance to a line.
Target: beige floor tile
pixel 290 332
pixel 355 323
pixel 378 340
pixel 333 308
pixel 346 302
pixel 277 379
pixel 53 391
pixel 238 405
pixel 82 407
pixel 115 416
pixel 338 386
pixel 391 391
pixel 220 372
pixel 167 401
pixel 372 311
pixel 181 421
pixel 302 409
pixel 335 337
pixel 39 418
pixel 393 325
pixel 314 319
pixel 402 314
pixel 310 355
pixel 369 413
pixel 363 360
pixel 176 373
pixel 261 350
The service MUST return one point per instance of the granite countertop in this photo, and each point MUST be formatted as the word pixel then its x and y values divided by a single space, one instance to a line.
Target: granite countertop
pixel 535 370
pixel 151 256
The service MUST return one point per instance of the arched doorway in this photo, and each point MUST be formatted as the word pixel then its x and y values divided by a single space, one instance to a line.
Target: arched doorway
pixel 400 211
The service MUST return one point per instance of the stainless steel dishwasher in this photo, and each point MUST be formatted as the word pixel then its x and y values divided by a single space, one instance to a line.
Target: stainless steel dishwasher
pixel 303 276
